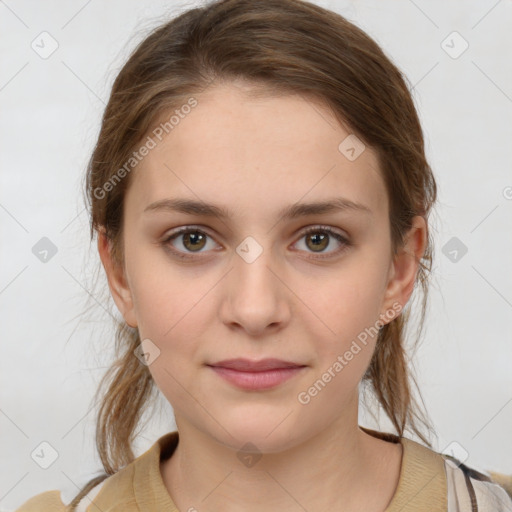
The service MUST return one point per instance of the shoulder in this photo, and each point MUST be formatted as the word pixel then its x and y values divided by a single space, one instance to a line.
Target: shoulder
pixel 469 489
pixel 49 501
pixel 115 493
pixel 442 482
pixel 109 494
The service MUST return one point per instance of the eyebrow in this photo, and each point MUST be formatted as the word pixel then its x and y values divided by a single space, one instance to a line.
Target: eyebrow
pixel 200 208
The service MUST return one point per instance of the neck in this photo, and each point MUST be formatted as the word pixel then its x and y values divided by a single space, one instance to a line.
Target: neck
pixel 349 466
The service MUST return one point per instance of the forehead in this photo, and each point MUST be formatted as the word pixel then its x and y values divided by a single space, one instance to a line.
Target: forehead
pixel 256 152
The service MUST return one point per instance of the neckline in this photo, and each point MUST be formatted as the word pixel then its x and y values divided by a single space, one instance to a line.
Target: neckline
pixel 402 475
pixel 420 478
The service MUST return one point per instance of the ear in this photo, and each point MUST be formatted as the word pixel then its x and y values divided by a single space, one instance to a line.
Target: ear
pixel 116 281
pixel 403 270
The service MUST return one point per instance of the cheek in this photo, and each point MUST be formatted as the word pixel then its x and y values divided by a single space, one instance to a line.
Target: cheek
pixel 166 296
pixel 344 303
pixel 173 311
pixel 341 318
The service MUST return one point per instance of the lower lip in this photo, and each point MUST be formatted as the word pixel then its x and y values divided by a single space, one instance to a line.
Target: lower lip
pixel 257 380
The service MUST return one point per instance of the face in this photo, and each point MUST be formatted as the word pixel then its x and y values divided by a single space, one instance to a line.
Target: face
pixel 258 283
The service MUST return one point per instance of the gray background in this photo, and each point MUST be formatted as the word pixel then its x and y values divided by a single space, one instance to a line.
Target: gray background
pixel 53 355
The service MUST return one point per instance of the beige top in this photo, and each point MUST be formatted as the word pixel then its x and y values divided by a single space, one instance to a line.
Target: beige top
pixel 423 485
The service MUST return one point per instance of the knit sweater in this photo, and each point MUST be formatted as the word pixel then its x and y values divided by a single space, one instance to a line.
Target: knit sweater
pixel 428 481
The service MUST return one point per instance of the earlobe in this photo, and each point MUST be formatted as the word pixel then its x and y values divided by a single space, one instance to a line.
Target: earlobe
pixel 117 282
pixel 404 268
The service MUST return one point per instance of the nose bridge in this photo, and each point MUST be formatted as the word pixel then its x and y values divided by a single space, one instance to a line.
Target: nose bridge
pixel 255 293
pixel 253 260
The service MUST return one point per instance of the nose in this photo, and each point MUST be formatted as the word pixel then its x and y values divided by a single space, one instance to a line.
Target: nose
pixel 256 298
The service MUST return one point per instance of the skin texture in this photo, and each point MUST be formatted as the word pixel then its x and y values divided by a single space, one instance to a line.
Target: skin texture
pixel 256 156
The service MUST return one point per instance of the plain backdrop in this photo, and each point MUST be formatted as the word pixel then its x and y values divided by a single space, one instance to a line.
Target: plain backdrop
pixel 53 356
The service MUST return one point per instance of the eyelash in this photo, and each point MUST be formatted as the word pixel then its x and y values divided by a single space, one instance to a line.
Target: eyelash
pixel 313 229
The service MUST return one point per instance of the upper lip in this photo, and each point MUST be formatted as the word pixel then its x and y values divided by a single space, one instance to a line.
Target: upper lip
pixel 248 365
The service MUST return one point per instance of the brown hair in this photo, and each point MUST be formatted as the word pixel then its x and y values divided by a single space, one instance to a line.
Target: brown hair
pixel 281 47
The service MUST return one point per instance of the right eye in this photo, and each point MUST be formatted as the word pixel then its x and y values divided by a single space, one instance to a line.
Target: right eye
pixel 192 239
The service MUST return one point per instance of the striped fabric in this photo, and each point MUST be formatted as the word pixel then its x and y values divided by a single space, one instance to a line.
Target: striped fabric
pixel 472 491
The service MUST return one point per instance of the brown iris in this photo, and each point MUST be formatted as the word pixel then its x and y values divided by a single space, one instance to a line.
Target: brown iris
pixel 196 239
pixel 321 241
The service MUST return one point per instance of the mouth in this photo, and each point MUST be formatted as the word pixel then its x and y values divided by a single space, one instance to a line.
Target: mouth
pixel 256 375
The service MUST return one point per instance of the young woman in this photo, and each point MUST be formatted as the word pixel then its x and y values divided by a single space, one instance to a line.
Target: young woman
pixel 261 196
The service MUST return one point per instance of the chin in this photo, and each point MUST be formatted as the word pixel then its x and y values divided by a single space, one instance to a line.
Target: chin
pixel 267 432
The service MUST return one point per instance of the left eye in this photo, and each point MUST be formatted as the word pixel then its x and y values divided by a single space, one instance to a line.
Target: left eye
pixel 319 238
pixel 194 240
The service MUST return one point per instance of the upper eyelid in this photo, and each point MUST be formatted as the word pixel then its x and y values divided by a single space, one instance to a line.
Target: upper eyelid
pixel 195 227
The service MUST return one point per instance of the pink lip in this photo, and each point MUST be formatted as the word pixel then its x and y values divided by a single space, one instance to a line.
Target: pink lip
pixel 264 374
pixel 246 365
